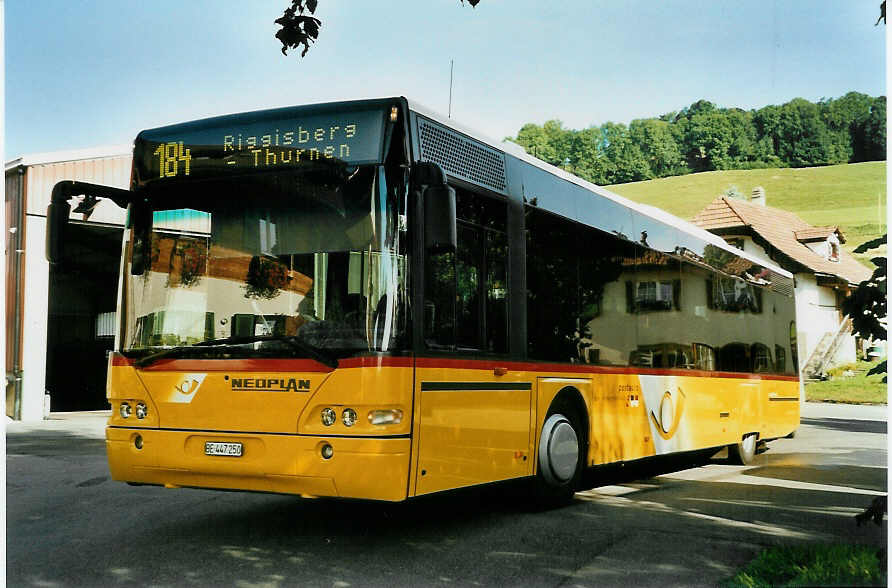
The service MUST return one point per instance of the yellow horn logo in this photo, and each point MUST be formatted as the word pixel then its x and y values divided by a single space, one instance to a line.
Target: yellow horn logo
pixel 670 414
pixel 187 388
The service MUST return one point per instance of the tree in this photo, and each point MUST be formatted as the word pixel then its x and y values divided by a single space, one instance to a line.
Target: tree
pixel 587 158
pixel 712 139
pixel 545 142
pixel 299 28
pixel 845 118
pixel 867 305
pixel 803 137
pixel 626 162
pixel 873 131
pixel 703 137
pixel 656 142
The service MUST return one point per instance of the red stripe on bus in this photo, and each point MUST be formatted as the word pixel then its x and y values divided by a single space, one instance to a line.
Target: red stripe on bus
pixel 376 361
pixel 119 360
pixel 237 365
pixel 488 364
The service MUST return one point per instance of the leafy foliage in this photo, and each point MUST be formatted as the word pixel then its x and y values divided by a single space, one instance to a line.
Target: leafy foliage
pixel 867 305
pixel 704 137
pixel 266 278
pixel 299 29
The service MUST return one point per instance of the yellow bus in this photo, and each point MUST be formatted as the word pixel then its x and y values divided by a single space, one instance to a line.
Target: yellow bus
pixel 363 299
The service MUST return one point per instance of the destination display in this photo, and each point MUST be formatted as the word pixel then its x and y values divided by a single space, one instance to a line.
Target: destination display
pixel 260 141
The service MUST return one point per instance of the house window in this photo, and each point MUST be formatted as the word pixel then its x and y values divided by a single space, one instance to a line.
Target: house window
pixel 654 295
pixel 663 355
pixel 780 356
pixel 651 294
pixel 704 357
pixel 761 358
pixel 734 295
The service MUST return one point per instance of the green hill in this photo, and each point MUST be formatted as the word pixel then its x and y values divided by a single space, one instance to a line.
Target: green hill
pixel 852 196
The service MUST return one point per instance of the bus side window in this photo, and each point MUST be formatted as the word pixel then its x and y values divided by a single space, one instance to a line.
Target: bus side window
pixel 439 300
pixel 576 309
pixel 466 302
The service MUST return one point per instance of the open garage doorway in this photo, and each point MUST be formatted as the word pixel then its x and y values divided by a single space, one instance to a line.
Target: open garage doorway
pixel 80 327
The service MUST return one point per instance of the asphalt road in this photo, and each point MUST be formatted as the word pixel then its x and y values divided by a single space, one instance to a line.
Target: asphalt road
pixel 69 525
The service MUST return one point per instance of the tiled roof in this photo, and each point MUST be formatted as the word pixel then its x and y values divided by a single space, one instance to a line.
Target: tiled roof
pixel 818 234
pixel 782 230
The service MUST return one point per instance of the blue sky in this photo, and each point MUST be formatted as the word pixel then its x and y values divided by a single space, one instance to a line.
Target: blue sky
pixel 95 72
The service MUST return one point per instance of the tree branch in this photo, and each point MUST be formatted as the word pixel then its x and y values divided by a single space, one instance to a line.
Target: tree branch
pixel 299 29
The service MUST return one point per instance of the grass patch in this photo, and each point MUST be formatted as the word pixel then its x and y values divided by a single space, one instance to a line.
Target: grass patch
pixel 852 196
pixel 857 389
pixel 813 565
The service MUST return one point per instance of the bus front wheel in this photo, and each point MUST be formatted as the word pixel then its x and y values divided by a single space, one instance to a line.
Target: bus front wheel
pixel 744 453
pixel 560 456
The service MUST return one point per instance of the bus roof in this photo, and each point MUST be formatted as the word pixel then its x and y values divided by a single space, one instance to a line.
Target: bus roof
pixel 652 212
pixel 515 151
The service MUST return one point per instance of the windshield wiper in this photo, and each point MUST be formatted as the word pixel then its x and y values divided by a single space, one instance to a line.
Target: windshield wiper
pixel 294 342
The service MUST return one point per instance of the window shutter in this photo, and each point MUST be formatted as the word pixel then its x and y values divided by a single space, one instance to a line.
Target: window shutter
pixel 710 303
pixel 630 297
pixel 676 294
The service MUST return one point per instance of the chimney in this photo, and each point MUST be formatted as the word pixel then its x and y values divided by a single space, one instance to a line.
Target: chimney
pixel 758 196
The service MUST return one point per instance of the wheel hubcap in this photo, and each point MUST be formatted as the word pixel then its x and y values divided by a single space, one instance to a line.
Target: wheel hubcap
pixel 558 450
pixel 749 444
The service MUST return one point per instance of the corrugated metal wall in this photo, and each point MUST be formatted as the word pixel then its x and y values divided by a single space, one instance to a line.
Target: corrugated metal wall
pixel 108 171
pixel 15 235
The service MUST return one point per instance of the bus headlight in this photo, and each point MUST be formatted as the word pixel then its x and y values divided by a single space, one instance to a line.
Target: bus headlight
pixel 348 417
pixel 125 410
pixel 328 417
pixel 141 410
pixel 386 417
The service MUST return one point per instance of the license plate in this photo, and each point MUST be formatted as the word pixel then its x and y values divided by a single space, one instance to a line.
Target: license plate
pixel 226 449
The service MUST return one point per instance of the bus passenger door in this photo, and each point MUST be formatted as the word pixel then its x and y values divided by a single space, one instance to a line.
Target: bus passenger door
pixel 472 418
pixel 474 425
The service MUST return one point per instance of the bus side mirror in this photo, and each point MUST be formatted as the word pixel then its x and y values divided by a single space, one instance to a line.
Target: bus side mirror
pixel 58 210
pixel 439 219
pixel 56 230
pixel 139 220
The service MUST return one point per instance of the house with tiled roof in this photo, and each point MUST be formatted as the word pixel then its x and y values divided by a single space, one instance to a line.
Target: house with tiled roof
pixel 824 274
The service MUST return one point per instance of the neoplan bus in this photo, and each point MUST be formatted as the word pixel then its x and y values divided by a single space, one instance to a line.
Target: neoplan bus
pixel 362 299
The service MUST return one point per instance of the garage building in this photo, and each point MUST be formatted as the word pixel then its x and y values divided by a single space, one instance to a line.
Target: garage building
pixel 60 322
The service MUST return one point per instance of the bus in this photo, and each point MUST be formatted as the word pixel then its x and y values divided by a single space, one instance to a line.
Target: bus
pixel 366 300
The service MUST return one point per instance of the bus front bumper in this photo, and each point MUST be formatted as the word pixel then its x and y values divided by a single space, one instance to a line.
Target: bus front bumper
pixel 368 468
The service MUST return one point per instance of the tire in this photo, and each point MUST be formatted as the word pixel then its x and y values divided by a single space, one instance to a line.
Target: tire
pixel 744 453
pixel 561 457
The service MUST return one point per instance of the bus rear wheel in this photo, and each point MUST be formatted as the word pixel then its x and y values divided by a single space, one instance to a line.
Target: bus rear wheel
pixel 744 453
pixel 560 460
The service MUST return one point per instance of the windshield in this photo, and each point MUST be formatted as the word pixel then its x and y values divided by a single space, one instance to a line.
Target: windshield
pixel 312 257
